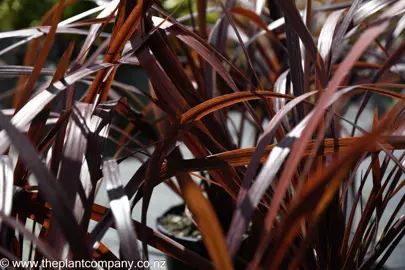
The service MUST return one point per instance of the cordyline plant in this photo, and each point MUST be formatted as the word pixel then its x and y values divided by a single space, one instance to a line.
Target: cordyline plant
pixel 286 69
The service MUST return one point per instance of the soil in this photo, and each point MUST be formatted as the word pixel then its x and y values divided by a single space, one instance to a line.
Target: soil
pixel 180 226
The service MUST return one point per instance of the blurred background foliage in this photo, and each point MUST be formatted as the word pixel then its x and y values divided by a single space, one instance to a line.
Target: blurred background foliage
pixel 14 15
pixel 17 14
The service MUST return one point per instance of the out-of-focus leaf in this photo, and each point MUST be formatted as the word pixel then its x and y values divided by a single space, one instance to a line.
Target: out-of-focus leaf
pixel 370 7
pixel 14 71
pixel 204 215
pixel 19 43
pixel 119 204
pixel 201 9
pixel 34 44
pixel 392 60
pixel 35 33
pixel 333 6
pixel 256 20
pixel 220 34
pixel 6 185
pixel 259 5
pixel 399 28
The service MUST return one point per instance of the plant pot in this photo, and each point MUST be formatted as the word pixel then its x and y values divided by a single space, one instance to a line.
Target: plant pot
pixel 193 243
